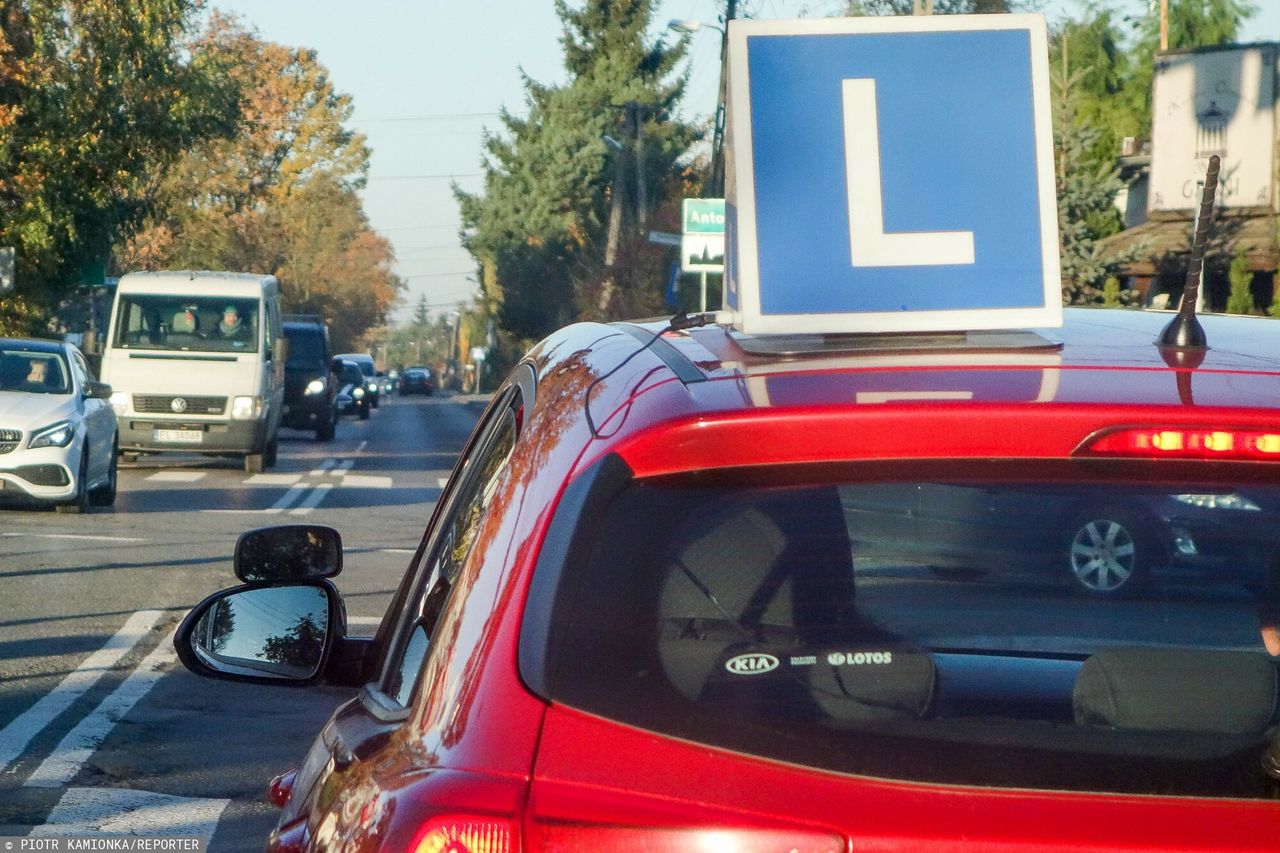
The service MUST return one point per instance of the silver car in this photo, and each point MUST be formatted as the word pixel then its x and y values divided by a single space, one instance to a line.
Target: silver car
pixel 58 432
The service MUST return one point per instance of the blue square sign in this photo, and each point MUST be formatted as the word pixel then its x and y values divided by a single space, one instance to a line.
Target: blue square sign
pixel 890 175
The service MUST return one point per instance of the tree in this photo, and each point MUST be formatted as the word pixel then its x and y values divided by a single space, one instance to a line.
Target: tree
pixel 940 7
pixel 95 95
pixel 1086 191
pixel 1240 300
pixel 538 230
pixel 280 195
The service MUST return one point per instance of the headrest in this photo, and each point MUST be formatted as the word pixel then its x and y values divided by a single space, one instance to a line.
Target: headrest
pixel 184 322
pixel 1190 690
pixel 875 681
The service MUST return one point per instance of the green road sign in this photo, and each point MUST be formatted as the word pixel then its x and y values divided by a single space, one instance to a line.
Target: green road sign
pixel 704 216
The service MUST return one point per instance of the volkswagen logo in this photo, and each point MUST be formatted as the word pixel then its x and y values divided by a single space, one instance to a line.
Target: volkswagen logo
pixel 179 405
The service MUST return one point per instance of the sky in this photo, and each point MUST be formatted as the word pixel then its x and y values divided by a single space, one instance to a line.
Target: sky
pixel 427 78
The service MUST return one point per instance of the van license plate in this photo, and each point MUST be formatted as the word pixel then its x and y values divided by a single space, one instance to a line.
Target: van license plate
pixel 180 436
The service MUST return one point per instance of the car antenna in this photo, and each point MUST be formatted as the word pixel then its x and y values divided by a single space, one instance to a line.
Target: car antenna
pixel 1184 331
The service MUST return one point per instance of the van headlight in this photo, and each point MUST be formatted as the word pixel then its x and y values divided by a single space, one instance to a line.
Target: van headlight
pixel 246 408
pixel 120 402
pixel 315 386
pixel 54 435
pixel 358 393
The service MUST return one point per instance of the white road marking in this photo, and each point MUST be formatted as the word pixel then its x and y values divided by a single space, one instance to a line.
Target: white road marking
pixel 74 536
pixel 313 500
pixel 364 620
pixel 396 551
pixel 288 499
pixel 15 736
pixel 442 481
pixel 119 811
pixel 342 469
pixel 273 479
pixel 75 749
pixel 177 476
pixel 324 466
pixel 366 481
pixel 362 446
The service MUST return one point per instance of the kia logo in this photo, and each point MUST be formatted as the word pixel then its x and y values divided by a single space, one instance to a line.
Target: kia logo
pixel 752 664
pixel 179 405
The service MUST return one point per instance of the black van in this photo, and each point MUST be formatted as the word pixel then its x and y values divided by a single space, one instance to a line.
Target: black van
pixel 310 389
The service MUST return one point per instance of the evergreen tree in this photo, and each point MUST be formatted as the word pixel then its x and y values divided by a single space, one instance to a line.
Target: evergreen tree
pixel 940 7
pixel 539 228
pixel 1240 300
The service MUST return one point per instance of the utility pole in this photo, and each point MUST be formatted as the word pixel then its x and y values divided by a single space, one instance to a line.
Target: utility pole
pixel 717 142
pixel 635 119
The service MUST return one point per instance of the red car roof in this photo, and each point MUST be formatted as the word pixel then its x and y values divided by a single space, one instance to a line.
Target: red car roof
pixel 708 397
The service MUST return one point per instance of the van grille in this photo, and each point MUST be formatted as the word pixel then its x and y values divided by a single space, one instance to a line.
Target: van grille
pixel 10 439
pixel 162 404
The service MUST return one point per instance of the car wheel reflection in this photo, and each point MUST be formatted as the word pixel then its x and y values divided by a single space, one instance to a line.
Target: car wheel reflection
pixel 1107 552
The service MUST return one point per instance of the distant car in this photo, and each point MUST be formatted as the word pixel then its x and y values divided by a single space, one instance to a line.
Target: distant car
pixel 58 432
pixel 372 387
pixel 417 380
pixel 353 396
pixel 310 387
pixel 1113 546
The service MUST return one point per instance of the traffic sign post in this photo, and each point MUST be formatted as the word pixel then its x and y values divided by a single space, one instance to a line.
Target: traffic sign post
pixel 891 175
pixel 702 244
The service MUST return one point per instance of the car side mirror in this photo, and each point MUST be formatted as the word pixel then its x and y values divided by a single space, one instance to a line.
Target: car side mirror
pixel 335 365
pixel 265 634
pixel 97 390
pixel 289 552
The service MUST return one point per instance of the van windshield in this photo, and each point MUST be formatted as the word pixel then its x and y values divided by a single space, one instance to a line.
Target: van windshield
pixel 187 323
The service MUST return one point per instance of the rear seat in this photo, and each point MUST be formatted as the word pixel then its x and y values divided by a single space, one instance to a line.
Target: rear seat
pixel 1186 690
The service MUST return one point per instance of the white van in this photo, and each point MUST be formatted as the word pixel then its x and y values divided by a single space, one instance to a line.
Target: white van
pixel 196 364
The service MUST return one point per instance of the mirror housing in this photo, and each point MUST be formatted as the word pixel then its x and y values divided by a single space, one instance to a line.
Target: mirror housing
pixel 288 552
pixel 97 390
pixel 263 634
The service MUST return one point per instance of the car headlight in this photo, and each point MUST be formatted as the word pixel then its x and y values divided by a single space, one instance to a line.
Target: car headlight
pixel 120 402
pixel 246 408
pixel 54 435
pixel 358 393
pixel 1233 501
pixel 315 386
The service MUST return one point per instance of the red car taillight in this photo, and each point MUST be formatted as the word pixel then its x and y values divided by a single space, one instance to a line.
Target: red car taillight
pixel 462 834
pixel 578 838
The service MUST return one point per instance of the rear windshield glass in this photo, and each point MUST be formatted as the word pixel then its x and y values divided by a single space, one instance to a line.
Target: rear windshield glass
pixel 1086 637
pixel 306 348
pixel 34 372
pixel 187 323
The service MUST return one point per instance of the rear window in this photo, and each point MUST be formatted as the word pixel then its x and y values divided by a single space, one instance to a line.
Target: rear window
pixel 306 347
pixel 1094 636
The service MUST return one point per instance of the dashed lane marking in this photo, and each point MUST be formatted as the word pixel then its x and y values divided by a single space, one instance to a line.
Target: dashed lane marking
pixel 273 479
pixel 313 500
pixel 15 736
pixel 85 537
pixel 324 466
pixel 442 481
pixel 119 811
pixel 362 446
pixel 343 468
pixel 74 750
pixel 288 499
pixel 176 476
pixel 366 481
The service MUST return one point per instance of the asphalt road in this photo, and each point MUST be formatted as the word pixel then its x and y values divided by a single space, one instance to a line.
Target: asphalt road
pixel 100 728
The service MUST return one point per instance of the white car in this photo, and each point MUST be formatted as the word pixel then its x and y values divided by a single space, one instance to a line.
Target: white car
pixel 58 432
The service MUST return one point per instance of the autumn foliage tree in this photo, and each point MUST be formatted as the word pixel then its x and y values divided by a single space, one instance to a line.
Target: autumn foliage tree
pixel 95 95
pixel 278 196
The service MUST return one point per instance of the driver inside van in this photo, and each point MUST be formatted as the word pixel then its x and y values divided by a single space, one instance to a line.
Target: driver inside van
pixel 231 327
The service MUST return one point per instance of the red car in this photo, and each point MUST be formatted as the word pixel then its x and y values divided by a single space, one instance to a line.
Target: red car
pixel 666 604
